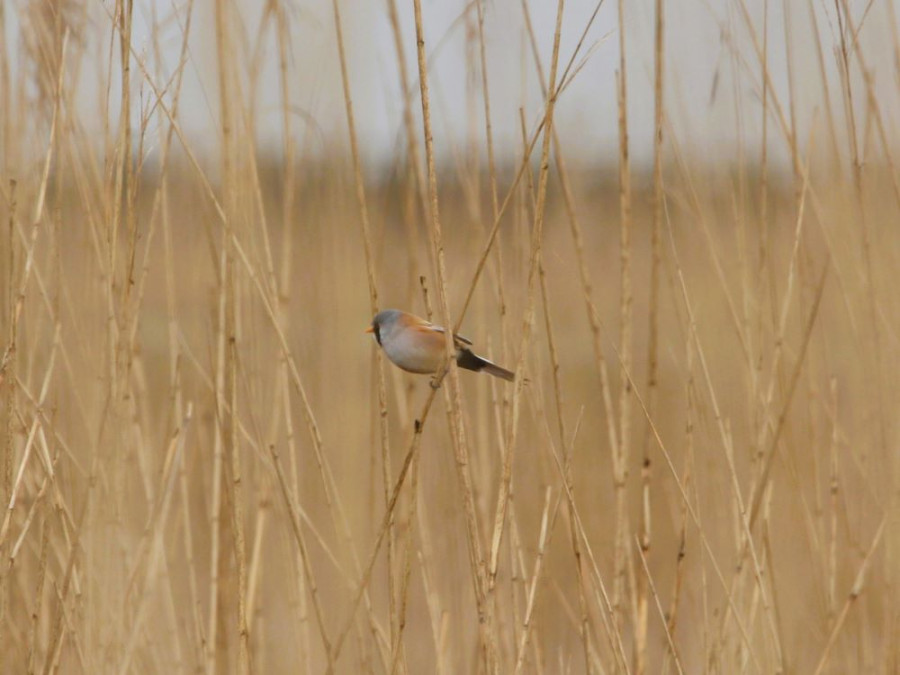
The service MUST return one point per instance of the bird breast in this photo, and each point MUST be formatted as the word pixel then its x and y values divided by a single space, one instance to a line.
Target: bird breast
pixel 417 350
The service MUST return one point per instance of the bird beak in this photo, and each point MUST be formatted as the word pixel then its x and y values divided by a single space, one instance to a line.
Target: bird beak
pixel 370 329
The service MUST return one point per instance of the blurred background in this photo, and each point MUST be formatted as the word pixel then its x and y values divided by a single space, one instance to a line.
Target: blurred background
pixel 207 465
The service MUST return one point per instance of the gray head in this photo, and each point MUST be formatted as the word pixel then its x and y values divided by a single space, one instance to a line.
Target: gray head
pixel 384 323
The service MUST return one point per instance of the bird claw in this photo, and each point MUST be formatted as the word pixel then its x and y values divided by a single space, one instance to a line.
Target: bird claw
pixel 435 382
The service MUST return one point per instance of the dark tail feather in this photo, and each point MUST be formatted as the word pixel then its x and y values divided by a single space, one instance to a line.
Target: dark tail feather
pixel 498 371
pixel 471 361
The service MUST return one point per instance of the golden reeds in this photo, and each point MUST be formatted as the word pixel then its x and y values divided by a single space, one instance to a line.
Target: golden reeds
pixel 207 467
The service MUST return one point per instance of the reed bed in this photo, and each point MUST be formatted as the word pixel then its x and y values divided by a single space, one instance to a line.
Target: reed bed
pixel 208 467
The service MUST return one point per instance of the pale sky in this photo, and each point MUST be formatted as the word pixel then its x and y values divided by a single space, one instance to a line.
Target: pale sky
pixel 707 42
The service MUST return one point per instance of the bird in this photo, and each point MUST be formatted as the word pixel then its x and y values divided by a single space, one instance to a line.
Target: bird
pixel 417 346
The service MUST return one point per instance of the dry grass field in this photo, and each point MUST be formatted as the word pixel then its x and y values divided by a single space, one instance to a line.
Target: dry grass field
pixel 207 466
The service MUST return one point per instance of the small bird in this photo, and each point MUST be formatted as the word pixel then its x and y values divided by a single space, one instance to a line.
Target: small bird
pixel 417 345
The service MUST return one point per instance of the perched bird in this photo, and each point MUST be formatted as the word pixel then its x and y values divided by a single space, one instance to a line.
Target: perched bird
pixel 417 345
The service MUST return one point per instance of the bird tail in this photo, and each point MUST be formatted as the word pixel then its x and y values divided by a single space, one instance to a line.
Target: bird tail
pixel 470 361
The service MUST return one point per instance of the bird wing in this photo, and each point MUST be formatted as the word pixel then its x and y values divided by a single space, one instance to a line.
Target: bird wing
pixel 430 327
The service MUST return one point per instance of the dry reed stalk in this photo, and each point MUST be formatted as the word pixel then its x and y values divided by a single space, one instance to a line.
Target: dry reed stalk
pixel 792 98
pixel 583 625
pixel 336 507
pixel 554 358
pixel 31 441
pixel 333 501
pixel 6 136
pixel 8 365
pixel 492 178
pixel 489 137
pixel 834 487
pixel 150 551
pixel 512 548
pixel 415 173
pixel 236 488
pixel 282 33
pixel 800 172
pixel 780 644
pixel 744 522
pixel 469 165
pixel 721 422
pixel 366 576
pixel 300 567
pixel 38 212
pixel 766 407
pixel 547 526
pixel 470 177
pixel 826 93
pixel 604 603
pixel 8 377
pixel 415 200
pixel 653 318
pixel 870 251
pixel 689 483
pixel 872 97
pixel 131 308
pixel 162 199
pixel 216 642
pixel 584 274
pixel 761 485
pixel 452 397
pixel 124 165
pixel 520 591
pixel 214 593
pixel 763 280
pixel 782 317
pixel 71 289
pixel 528 319
pixel 296 513
pixel 501 403
pixel 417 514
pixel 853 595
pixel 118 280
pixel 522 640
pixel 784 127
pixel 398 655
pixel 48 481
pixel 802 265
pixel 74 546
pixel 621 454
pixel 671 466
pixel 437 619
pixel 698 211
pixel 516 587
pixel 568 202
pixel 646 569
pixel 396 641
pixel 297 530
pixel 495 228
pixel 416 509
pixel 36 612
